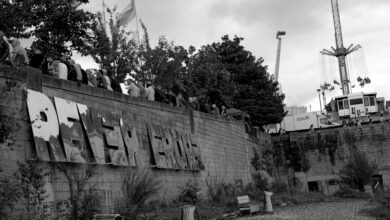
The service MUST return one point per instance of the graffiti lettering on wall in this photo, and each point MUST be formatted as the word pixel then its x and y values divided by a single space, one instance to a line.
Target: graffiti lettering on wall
pixel 67 131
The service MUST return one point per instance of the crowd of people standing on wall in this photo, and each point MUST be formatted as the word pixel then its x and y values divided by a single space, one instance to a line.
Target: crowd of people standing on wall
pixel 63 67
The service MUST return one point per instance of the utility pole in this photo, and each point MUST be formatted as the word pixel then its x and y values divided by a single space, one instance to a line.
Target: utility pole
pixel 278 34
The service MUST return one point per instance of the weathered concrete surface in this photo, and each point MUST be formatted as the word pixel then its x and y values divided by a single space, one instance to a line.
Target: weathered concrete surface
pixel 225 148
pixel 328 150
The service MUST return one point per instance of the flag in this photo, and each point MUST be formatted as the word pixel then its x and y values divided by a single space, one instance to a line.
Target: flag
pixel 76 4
pixel 127 14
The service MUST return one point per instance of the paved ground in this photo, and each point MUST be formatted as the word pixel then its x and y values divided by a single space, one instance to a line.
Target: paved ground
pixel 348 209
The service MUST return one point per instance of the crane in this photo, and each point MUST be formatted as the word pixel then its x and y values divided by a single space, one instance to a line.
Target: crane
pixel 340 52
pixel 278 34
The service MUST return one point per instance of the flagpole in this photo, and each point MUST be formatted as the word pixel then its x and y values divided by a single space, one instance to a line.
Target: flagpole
pixel 104 16
pixel 136 20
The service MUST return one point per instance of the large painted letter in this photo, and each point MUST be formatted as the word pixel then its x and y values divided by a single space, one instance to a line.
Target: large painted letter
pixel 130 138
pixel 168 147
pixel 71 131
pixel 114 139
pixel 45 127
pixel 196 151
pixel 156 138
pixel 94 133
pixel 180 153
pixel 189 151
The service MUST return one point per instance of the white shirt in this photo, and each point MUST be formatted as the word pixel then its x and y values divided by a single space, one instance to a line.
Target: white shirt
pixel 133 90
pixel 150 93
pixel 62 71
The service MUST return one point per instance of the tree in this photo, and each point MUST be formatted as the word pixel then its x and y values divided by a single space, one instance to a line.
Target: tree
pixel 255 91
pixel 115 54
pixel 210 77
pixel 58 26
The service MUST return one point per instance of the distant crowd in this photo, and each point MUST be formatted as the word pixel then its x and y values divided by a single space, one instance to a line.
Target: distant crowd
pixel 63 67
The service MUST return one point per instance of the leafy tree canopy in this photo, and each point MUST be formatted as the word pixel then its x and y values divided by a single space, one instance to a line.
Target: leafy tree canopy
pixel 255 92
pixel 57 26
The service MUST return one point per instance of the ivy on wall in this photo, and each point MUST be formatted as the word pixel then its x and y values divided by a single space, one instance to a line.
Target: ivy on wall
pixel 8 124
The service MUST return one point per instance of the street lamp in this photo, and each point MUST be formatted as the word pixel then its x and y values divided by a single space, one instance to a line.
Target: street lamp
pixel 278 34
pixel 319 98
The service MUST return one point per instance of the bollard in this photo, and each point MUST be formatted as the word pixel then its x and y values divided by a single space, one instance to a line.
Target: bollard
pixel 187 212
pixel 267 202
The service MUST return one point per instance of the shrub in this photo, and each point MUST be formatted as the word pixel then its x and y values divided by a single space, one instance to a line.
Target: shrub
pixel 189 193
pixel 263 181
pixel 214 190
pixel 30 177
pixel 358 170
pixel 90 204
pixel 279 187
pixel 347 192
pixel 138 187
pixel 80 205
pixel 10 192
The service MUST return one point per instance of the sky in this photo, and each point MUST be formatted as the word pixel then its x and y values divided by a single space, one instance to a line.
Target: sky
pixel 309 28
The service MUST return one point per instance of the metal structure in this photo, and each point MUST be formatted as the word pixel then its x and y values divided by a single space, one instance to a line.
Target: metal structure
pixel 278 34
pixel 319 98
pixel 340 52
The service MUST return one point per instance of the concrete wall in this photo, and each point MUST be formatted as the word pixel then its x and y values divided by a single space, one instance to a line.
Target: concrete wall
pixel 328 150
pixel 225 148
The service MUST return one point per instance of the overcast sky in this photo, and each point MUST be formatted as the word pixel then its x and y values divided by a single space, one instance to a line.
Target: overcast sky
pixel 309 27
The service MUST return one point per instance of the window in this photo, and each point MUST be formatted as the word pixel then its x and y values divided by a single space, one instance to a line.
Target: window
pixel 341 106
pixel 325 121
pixel 366 101
pixel 333 182
pixel 372 100
pixel 346 104
pixel 356 101
pixel 313 186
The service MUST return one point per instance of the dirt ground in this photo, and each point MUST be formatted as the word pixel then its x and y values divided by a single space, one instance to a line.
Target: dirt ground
pixel 348 209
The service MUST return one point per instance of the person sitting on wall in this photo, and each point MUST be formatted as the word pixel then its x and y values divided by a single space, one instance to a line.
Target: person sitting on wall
pixel 116 87
pixel 223 111
pixel 37 59
pixel 72 75
pixel 60 70
pixel 84 75
pixel 215 109
pixel 91 78
pixel 133 89
pixel 180 101
pixel 106 83
pixel 4 49
pixel 344 123
pixel 19 54
pixel 142 91
pixel 47 66
pixel 77 69
pixel 149 91
pixel 194 103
